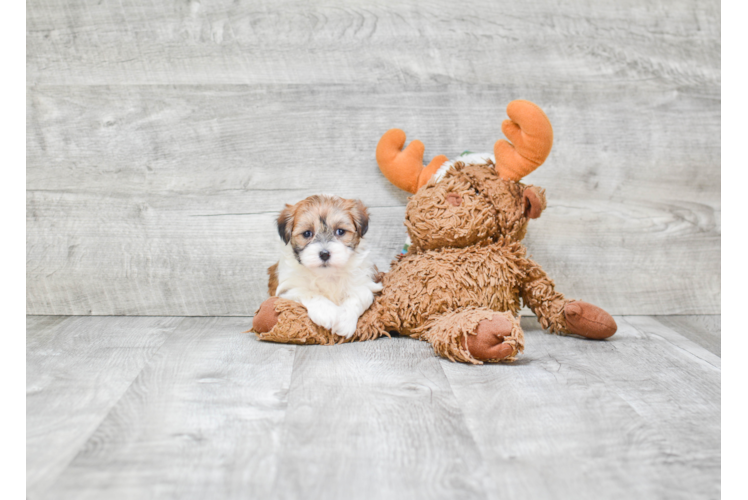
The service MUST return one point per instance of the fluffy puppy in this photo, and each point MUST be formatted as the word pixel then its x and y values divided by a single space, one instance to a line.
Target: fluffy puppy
pixel 324 263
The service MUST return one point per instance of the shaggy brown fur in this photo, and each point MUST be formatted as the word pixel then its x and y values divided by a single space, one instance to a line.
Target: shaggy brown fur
pixel 297 328
pixel 446 333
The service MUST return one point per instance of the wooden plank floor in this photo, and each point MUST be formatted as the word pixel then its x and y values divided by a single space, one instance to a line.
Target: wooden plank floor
pixel 168 407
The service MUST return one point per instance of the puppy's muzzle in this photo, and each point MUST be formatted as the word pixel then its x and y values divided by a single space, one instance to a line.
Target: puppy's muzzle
pixel 324 255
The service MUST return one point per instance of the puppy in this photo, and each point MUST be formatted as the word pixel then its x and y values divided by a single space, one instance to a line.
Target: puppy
pixel 324 263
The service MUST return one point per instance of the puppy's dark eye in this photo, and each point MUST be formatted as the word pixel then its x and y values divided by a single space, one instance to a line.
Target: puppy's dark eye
pixel 476 191
pixel 340 232
pixel 307 234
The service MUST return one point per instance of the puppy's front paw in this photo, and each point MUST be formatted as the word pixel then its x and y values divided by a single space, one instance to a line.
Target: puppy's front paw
pixel 321 311
pixel 345 325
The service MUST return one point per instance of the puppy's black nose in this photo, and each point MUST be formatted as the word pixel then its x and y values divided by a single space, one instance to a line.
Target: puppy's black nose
pixel 324 255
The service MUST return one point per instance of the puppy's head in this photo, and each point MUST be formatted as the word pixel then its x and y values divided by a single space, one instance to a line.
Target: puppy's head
pixel 323 231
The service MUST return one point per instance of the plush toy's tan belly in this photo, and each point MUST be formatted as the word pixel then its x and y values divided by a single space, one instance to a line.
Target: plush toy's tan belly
pixel 433 282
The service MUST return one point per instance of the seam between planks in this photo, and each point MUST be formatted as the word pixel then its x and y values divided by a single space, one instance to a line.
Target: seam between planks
pixel 283 424
pixel 114 404
pixel 690 347
pixel 482 474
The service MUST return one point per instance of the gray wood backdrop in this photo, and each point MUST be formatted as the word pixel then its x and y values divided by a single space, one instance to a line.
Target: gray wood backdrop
pixel 164 137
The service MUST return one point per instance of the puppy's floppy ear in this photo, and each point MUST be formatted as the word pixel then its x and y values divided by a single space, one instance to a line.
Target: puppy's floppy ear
pixel 285 223
pixel 534 198
pixel 360 218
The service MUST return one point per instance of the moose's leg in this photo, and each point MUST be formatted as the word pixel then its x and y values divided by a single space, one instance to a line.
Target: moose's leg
pixel 559 314
pixel 474 335
pixel 286 321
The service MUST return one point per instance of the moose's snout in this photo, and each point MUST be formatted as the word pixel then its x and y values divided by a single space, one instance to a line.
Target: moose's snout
pixel 454 199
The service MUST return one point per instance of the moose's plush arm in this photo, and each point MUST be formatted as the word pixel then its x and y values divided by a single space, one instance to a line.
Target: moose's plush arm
pixel 286 321
pixel 559 314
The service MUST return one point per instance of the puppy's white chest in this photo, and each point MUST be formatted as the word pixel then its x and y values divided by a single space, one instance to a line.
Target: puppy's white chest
pixel 334 288
pixel 296 282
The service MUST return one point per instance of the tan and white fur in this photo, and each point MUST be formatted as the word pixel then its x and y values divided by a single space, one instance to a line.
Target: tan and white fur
pixel 324 262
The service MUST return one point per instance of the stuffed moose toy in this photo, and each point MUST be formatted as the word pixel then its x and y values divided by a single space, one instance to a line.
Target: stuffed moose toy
pixel 460 283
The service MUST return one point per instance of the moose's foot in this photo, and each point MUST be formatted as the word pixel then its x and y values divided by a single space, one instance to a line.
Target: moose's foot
pixel 473 335
pixel 488 343
pixel 266 316
pixel 589 321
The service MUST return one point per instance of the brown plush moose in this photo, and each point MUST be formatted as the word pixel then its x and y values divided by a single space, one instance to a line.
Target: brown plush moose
pixel 459 285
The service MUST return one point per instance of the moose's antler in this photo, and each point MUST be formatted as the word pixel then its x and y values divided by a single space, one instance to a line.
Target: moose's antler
pixel 532 137
pixel 404 167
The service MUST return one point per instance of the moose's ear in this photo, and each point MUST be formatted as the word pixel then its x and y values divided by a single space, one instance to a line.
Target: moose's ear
pixel 285 223
pixel 534 198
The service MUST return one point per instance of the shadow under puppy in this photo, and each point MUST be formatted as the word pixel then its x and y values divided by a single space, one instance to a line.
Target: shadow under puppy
pixel 324 263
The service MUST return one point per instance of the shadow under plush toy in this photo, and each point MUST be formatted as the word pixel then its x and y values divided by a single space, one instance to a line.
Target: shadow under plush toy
pixel 459 285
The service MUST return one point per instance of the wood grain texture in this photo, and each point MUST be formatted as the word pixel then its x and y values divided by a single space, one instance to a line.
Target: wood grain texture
pixel 548 43
pixel 202 420
pixel 163 137
pixel 214 413
pixel 155 200
pixel 76 371
pixel 375 420
pixel 705 331
pixel 635 416
pixel 728 327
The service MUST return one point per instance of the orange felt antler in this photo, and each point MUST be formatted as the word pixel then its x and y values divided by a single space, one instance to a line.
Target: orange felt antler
pixel 532 137
pixel 404 167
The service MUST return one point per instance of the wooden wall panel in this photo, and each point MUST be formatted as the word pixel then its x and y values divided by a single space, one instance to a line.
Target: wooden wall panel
pixel 543 42
pixel 162 139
